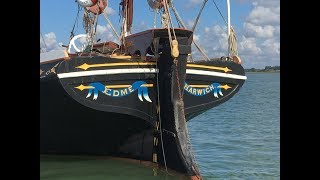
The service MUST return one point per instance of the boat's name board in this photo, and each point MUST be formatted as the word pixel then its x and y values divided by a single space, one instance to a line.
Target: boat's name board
pixel 205 89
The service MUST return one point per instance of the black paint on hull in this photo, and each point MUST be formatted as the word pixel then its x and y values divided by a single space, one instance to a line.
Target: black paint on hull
pixel 72 122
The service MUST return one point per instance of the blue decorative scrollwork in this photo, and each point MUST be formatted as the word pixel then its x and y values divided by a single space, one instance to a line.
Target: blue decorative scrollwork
pixel 96 87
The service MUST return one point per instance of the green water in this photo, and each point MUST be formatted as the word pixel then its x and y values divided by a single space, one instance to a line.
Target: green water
pixel 239 139
pixel 97 168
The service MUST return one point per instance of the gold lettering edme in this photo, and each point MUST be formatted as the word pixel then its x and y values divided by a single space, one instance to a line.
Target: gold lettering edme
pixel 107 91
pixel 123 92
pixel 115 93
pixel 130 89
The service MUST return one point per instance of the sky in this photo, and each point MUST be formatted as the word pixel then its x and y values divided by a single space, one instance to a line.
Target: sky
pixel 256 23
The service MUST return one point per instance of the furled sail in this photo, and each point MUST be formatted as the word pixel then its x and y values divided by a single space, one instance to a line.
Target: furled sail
pixel 127 12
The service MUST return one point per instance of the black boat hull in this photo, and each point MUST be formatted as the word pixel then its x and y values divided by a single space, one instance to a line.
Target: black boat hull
pixel 97 105
pixel 122 126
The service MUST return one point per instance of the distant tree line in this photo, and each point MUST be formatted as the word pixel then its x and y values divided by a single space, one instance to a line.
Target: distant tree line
pixel 266 69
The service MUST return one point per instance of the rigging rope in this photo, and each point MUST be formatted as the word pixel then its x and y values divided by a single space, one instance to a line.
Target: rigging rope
pixel 198 17
pixel 112 27
pixel 219 11
pixel 75 22
pixel 232 39
pixel 184 26
pixel 159 107
pixel 173 43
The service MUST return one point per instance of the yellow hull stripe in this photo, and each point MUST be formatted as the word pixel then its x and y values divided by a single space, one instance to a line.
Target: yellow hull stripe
pixel 81 87
pixel 225 69
pixel 198 86
pixel 205 86
pixel 125 86
pixel 86 66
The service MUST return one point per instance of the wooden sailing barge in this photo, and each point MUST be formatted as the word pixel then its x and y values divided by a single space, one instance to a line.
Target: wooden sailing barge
pixel 132 100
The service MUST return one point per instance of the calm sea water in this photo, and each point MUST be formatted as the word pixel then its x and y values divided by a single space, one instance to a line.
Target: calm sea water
pixel 239 139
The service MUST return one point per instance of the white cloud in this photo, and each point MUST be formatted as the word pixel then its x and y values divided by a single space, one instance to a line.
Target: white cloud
pixel 105 33
pixel 142 26
pixel 192 3
pixel 264 15
pixel 258 39
pixel 213 40
pixel 49 42
pixel 196 37
pixel 190 23
pixel 266 31
pixel 248 46
pixel 206 29
pixel 267 3
pixel 109 10
pixel 271 47
pixel 195 1
pixel 261 44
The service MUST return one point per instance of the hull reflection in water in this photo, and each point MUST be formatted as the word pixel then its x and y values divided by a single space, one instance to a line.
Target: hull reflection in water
pixel 53 167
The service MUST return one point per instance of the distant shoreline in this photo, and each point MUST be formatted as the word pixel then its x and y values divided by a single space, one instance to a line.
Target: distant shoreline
pixel 262 72
pixel 267 69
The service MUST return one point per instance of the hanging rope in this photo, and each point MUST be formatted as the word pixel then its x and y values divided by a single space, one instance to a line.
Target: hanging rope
pixel 159 107
pixel 87 22
pixel 173 42
pixel 75 22
pixel 94 32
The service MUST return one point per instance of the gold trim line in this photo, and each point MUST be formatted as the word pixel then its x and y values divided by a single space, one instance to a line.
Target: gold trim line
pixel 225 69
pixel 81 87
pixel 86 66
pixel 226 86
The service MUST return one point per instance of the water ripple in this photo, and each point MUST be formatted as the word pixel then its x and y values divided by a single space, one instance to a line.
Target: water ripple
pixel 240 139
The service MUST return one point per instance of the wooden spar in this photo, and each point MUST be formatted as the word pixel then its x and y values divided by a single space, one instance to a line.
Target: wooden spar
pixel 228 6
pixel 129 14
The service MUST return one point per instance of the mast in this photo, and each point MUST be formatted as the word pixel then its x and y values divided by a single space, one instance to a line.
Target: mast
pixel 228 6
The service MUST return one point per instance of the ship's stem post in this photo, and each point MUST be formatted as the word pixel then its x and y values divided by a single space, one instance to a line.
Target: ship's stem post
pixel 172 75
